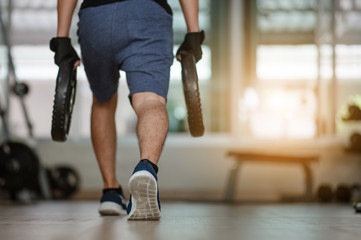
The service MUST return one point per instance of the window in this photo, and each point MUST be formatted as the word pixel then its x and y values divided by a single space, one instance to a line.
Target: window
pixel 279 100
pixel 283 105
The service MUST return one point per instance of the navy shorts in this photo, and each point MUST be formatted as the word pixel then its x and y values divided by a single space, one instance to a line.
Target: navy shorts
pixel 134 36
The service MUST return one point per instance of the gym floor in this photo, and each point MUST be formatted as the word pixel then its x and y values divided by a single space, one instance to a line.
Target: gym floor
pixel 58 220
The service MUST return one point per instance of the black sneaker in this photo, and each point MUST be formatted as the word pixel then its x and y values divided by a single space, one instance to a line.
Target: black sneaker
pixel 112 202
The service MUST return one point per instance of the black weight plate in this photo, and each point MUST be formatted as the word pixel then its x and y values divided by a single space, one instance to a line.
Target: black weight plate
pixel 19 166
pixel 191 94
pixel 64 99
pixel 64 181
pixel 325 193
pixel 343 193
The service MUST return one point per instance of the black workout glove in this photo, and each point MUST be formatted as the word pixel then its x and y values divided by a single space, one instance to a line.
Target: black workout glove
pixel 63 50
pixel 192 43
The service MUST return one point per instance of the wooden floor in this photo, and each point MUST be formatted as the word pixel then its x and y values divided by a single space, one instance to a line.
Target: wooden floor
pixel 79 220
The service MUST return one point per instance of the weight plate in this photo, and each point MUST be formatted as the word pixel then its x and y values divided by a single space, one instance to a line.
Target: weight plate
pixel 325 193
pixel 191 94
pixel 64 181
pixel 64 99
pixel 19 166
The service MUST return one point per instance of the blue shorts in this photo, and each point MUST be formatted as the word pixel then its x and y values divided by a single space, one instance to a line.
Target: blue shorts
pixel 134 36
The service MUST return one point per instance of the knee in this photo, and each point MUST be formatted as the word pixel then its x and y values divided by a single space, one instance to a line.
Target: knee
pixel 147 100
pixel 111 104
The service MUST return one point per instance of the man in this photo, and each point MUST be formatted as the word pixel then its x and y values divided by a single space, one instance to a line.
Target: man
pixel 134 36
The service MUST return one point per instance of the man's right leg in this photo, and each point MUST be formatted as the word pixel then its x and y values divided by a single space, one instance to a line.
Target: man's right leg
pixel 103 135
pixel 152 130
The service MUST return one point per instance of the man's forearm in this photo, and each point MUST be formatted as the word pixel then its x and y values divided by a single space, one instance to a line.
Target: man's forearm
pixel 190 12
pixel 65 13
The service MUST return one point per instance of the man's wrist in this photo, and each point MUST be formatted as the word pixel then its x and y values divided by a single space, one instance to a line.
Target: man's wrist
pixel 62 34
pixel 193 29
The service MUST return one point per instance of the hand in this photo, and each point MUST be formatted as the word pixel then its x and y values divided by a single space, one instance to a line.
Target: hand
pixel 63 50
pixel 192 43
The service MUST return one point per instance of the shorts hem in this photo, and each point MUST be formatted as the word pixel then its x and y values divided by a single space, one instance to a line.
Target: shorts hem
pixel 159 93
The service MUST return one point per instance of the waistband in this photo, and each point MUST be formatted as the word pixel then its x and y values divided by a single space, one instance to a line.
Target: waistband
pixel 95 3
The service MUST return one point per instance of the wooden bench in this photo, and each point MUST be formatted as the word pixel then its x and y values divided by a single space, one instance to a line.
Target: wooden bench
pixel 243 156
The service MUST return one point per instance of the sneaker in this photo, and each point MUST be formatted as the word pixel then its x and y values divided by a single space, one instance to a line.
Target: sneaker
pixel 112 202
pixel 144 199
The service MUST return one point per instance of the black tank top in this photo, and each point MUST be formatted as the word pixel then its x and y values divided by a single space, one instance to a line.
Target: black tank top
pixel 94 3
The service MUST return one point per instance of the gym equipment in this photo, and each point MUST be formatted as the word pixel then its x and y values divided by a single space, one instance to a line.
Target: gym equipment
pixel 19 167
pixel 64 99
pixel 355 143
pixel 343 193
pixel 357 207
pixel 64 181
pixel 21 173
pixel 324 193
pixel 354 113
pixel 355 193
pixel 191 94
pixel 20 89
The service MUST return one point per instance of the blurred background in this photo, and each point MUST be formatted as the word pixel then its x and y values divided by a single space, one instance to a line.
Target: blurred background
pixel 277 77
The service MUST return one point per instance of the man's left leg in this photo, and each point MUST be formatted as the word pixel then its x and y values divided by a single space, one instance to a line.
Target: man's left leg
pixel 152 130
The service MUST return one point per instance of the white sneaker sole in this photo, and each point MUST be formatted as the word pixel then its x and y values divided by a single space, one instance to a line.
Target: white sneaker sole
pixel 111 208
pixel 143 187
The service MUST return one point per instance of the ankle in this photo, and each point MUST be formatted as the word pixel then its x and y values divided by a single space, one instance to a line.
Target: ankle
pixel 155 167
pixel 112 185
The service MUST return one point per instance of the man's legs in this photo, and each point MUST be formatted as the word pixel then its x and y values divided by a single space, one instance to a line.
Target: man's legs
pixel 152 125
pixel 152 130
